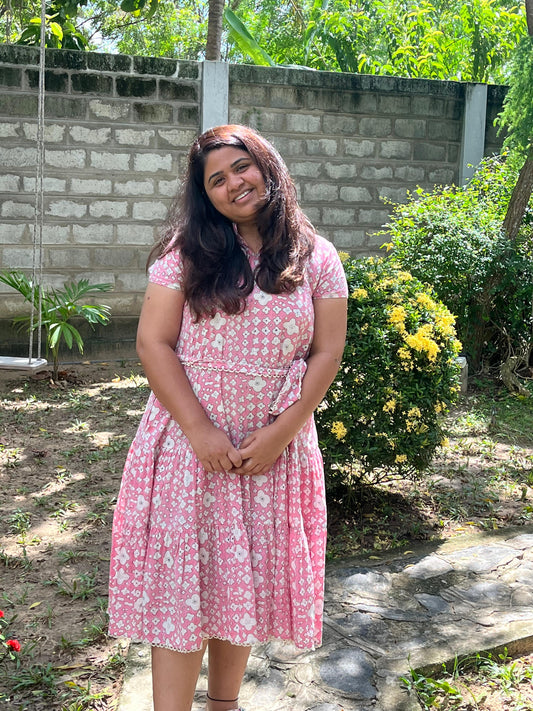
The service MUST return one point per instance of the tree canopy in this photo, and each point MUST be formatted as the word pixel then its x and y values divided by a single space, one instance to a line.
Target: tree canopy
pixel 437 39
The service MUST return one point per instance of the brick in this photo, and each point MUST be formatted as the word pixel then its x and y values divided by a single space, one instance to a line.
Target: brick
pixel 355 194
pixel 99 84
pixel 152 162
pixel 73 158
pixel 188 115
pixel 373 217
pixel 9 183
pixel 155 65
pixel 378 127
pixel 18 105
pixel 376 172
pixel 288 146
pixel 444 131
pixel 19 54
pixel 50 185
pixel 66 208
pixel 393 194
pixel 321 100
pixel 344 125
pixel 133 188
pixel 313 213
pixel 429 151
pixel 394 105
pixel 427 106
pixel 9 130
pixel 92 136
pixel 53 81
pixel 131 281
pixel 260 119
pixel 56 234
pixel 337 171
pixel 108 208
pixel 110 161
pixel 136 234
pixel 247 94
pixel 177 91
pixel 303 123
pixel 93 234
pixel 167 188
pixel 188 70
pixel 409 173
pixel 83 186
pixel 152 113
pixel 109 62
pixel 175 137
pixel 109 111
pixel 285 97
pixel 136 87
pixel 14 234
pixel 110 258
pixel 358 102
pixel 149 210
pixel 322 146
pixel 64 258
pixel 17 258
pixel 53 133
pixel 442 176
pixel 65 107
pixel 453 152
pixel 395 149
pixel 359 148
pixel 132 137
pixel 307 169
pixel 320 192
pixel 68 59
pixel 347 239
pixel 23 210
pixel 9 76
pixel 18 157
pixel 410 128
pixel 338 216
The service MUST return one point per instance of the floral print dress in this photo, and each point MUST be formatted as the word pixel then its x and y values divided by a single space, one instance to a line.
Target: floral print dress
pixel 199 555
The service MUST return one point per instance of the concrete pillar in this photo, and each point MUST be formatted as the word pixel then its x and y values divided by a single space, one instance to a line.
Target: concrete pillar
pixel 215 94
pixel 473 138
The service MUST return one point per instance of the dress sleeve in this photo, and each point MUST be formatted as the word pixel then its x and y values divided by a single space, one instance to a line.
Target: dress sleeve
pixel 167 270
pixel 326 273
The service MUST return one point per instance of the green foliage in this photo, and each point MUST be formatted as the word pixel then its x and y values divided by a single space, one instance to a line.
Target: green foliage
pixel 517 114
pixel 452 239
pixel 431 692
pixel 58 307
pixel 399 374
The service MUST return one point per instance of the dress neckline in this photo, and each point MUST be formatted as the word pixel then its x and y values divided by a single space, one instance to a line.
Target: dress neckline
pixel 244 244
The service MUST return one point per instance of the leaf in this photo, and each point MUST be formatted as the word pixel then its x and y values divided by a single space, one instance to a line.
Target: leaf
pixel 245 41
pixel 35 604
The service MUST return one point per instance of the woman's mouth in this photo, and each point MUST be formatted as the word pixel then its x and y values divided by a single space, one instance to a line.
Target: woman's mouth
pixel 242 195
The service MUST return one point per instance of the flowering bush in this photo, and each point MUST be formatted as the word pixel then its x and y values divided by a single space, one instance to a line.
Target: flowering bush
pixel 382 415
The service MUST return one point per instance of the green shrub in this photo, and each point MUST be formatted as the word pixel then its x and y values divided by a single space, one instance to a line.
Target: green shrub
pixel 382 415
pixel 452 239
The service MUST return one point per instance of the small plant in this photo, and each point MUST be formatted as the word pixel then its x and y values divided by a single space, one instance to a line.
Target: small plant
pixel 81 587
pixel 9 649
pixel 58 307
pixel 383 414
pixel 431 692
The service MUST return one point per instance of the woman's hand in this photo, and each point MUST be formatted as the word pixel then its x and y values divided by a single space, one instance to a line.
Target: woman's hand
pixel 260 449
pixel 214 449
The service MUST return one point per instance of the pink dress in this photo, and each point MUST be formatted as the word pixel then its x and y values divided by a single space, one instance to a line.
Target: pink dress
pixel 197 555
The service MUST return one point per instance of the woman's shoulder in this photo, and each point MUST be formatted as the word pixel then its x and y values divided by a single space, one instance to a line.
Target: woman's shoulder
pixel 167 269
pixel 325 270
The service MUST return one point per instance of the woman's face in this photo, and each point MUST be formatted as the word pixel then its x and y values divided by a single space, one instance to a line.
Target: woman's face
pixel 234 184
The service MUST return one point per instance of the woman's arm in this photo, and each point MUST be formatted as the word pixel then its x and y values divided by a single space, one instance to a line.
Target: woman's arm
pixel 260 449
pixel 157 335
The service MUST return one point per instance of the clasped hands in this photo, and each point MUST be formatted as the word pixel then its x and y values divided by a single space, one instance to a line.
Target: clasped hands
pixel 256 454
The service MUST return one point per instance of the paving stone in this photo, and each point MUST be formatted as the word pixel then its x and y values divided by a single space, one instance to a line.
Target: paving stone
pixel 429 567
pixel 349 670
pixel 479 559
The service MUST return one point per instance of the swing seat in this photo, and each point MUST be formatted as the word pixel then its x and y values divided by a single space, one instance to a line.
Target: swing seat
pixel 33 365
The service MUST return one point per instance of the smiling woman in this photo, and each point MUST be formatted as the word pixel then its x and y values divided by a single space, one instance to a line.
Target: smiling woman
pixel 220 527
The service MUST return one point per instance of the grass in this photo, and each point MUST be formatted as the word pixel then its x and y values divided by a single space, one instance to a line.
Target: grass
pixel 62 449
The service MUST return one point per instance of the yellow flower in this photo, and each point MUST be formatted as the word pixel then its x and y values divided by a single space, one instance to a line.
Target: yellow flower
pixel 388 246
pixel 421 341
pixel 445 442
pixel 389 406
pixel 339 430
pixel 359 294
pixel 426 301
pixel 414 412
pixel 401 458
pixel 404 276
pixel 444 323
pixel 343 256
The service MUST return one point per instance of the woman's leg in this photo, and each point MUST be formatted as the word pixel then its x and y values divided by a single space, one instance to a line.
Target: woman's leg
pixel 226 667
pixel 174 677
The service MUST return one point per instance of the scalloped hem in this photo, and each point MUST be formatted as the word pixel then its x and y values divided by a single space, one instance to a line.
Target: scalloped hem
pixel 140 640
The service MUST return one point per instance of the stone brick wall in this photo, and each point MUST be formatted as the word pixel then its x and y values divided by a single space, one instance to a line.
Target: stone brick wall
pixel 117 129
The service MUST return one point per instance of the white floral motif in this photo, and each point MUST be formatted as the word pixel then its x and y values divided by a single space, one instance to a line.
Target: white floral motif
pixel 123 556
pixel 122 576
pixel 247 622
pixel 218 321
pixel 291 327
pixel 262 499
pixel 240 554
pixel 193 602
pixel 262 297
pixel 168 560
pixel 142 503
pixel 257 383
pixel 169 626
pixel 208 499
pixel 218 342
pixel 287 346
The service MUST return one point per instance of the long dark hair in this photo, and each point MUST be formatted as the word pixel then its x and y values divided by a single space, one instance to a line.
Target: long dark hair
pixel 217 273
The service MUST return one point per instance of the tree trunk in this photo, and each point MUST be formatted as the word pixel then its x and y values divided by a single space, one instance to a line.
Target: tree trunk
pixel 214 30
pixel 519 199
pixel 529 16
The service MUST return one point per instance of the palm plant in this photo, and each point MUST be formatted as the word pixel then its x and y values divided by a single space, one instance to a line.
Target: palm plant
pixel 57 308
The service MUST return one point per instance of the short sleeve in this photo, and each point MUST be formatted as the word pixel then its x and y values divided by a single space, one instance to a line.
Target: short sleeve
pixel 167 270
pixel 326 273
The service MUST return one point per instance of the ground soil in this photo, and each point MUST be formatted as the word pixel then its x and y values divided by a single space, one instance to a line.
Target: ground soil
pixel 62 449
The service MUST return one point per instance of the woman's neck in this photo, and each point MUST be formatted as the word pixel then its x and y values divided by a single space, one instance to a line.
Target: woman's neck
pixel 250 235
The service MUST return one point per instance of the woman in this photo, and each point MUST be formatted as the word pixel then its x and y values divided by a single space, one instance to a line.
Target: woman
pixel 220 527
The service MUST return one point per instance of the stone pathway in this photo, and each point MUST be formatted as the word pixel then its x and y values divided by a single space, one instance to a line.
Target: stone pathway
pixel 418 608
